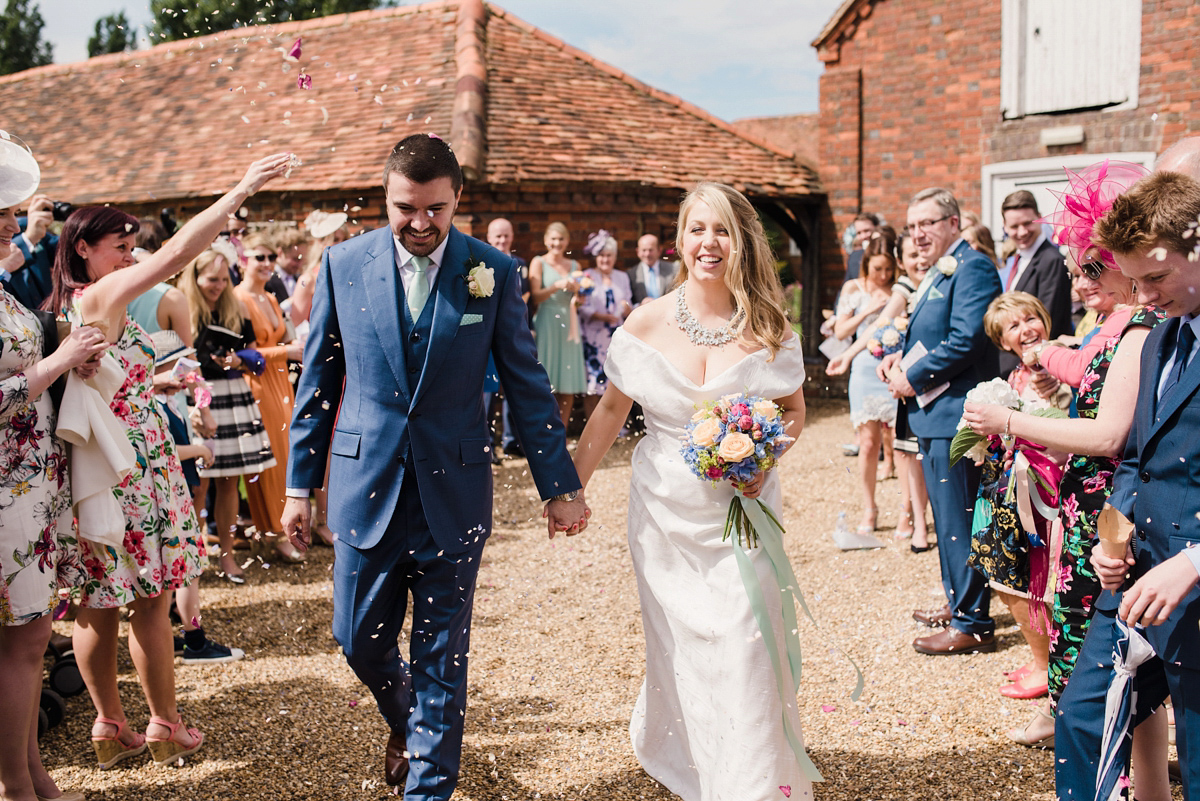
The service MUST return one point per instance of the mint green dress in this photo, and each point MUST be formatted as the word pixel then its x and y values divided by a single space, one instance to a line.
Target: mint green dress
pixel 560 355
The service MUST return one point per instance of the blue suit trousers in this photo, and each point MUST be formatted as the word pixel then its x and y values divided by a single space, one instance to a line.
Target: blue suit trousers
pixel 952 492
pixel 425 698
pixel 1079 725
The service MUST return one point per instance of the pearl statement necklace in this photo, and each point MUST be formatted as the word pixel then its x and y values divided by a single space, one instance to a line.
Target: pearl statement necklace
pixel 698 334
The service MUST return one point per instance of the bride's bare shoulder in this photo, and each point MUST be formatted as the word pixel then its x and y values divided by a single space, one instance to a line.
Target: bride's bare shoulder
pixel 647 319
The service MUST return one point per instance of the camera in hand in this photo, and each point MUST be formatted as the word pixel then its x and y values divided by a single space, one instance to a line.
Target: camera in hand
pixel 61 210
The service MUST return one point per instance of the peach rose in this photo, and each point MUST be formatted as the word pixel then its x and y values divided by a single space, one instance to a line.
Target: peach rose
pixel 736 447
pixel 766 408
pixel 705 434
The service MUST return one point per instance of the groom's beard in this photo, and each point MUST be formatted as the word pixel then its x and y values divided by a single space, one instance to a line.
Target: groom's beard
pixel 423 246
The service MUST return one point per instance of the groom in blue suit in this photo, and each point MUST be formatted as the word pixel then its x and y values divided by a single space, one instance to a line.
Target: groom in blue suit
pixel 403 321
pixel 947 325
pixel 1156 487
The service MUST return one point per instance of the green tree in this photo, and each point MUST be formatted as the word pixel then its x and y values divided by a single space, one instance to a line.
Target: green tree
pixel 21 45
pixel 112 35
pixel 179 19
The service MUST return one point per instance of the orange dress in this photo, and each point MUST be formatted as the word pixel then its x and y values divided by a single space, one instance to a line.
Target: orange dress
pixel 273 392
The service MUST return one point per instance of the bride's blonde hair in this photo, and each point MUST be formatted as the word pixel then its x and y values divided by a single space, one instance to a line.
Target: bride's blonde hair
pixel 750 275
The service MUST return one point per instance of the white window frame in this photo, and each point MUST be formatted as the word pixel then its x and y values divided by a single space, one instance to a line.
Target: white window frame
pixel 1014 104
pixel 1003 177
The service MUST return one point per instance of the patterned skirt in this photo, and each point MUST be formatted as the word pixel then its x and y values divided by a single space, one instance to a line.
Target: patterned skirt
pixel 241 445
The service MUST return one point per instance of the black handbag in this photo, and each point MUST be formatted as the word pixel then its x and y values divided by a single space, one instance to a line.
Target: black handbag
pixel 49 345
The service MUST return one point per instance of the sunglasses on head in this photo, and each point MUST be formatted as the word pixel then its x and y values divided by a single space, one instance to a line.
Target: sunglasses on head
pixel 264 256
pixel 1093 269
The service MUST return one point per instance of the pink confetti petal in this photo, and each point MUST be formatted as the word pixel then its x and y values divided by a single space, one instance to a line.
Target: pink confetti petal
pixel 828 708
pixel 294 52
pixel 786 789
pixel 304 81
pixel 353 704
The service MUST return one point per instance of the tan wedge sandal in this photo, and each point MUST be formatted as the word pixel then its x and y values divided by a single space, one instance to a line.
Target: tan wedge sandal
pixel 168 751
pixel 110 750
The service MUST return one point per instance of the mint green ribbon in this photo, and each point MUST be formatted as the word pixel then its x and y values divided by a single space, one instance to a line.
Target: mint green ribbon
pixel 770 535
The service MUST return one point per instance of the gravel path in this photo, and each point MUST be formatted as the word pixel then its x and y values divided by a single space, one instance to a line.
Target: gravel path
pixel 557 660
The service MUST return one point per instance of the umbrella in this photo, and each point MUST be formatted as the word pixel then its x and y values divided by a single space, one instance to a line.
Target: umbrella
pixel 1130 651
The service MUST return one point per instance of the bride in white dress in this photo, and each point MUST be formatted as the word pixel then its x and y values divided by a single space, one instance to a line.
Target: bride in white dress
pixel 709 722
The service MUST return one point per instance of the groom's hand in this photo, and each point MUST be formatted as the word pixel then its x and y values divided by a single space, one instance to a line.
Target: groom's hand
pixel 569 516
pixel 297 522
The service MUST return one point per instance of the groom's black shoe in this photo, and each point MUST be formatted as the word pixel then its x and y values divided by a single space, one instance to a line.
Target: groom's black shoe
pixel 395 760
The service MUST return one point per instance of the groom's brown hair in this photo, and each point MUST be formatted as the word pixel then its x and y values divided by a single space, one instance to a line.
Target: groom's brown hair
pixel 422 158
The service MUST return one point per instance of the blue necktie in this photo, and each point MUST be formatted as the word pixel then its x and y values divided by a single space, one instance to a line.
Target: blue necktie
pixel 1183 351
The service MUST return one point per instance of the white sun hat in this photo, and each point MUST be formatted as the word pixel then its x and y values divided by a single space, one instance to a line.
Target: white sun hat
pixel 19 171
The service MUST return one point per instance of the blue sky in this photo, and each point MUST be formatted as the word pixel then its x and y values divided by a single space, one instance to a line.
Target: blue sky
pixel 734 58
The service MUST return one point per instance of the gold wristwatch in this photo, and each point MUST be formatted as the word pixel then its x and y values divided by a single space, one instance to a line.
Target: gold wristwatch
pixel 566 496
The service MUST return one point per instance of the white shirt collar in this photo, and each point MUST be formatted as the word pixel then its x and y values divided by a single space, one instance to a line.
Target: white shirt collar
pixel 1027 253
pixel 403 257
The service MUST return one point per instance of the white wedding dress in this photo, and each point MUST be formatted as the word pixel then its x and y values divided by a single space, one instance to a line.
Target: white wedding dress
pixel 708 723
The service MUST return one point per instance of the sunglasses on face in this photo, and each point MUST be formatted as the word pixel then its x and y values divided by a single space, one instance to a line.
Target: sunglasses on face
pixel 264 256
pixel 1093 269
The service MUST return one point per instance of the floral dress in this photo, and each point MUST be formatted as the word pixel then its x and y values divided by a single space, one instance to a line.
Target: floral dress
pixel 163 549
pixel 1086 484
pixel 38 553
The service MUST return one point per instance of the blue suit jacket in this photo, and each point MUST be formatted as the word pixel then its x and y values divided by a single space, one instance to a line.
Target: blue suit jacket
pixel 948 321
pixel 360 401
pixel 1157 486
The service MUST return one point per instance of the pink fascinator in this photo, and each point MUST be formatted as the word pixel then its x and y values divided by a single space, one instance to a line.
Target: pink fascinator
pixel 1088 197
pixel 597 242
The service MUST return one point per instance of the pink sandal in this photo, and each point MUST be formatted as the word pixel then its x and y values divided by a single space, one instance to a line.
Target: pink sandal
pixel 167 750
pixel 110 750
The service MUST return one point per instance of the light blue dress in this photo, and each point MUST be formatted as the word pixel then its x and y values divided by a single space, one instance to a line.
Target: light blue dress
pixel 870 398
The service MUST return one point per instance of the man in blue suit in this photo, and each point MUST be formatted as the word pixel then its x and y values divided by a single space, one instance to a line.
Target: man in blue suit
pixel 1149 232
pixel 947 326
pixel 403 321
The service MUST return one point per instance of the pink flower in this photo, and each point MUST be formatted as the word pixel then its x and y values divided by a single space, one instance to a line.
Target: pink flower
pixel 1065 577
pixel 714 472
pixel 740 409
pixel 1070 508
pixel 1097 483
pixel 746 422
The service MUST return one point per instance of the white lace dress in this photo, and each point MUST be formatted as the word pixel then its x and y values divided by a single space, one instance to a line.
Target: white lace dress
pixel 708 723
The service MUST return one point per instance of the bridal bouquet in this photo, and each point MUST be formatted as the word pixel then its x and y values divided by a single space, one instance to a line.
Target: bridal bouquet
pixel 888 337
pixel 733 439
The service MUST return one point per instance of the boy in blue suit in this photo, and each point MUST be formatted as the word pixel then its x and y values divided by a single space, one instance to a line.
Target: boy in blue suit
pixel 947 324
pixel 404 320
pixel 1149 230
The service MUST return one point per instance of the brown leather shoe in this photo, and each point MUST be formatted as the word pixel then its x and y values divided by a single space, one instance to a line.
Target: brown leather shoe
pixel 934 617
pixel 953 641
pixel 395 760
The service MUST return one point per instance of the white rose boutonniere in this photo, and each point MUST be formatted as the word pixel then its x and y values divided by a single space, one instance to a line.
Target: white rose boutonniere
pixel 947 265
pixel 481 281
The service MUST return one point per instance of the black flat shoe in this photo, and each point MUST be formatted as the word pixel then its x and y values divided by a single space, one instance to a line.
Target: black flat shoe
pixel 916 549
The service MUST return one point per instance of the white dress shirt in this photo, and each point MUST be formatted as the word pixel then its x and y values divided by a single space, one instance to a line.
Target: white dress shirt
pixel 1024 259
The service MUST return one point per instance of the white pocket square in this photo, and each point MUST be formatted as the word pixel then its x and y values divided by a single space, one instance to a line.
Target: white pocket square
pixel 470 319
pixel 934 294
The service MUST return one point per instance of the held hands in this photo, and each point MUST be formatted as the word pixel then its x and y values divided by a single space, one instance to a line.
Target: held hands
pixel 569 516
pixel 890 373
pixel 1111 571
pixel 297 522
pixel 1155 595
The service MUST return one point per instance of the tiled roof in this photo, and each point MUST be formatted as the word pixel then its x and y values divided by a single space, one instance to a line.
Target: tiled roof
pixel 184 118
pixel 798 133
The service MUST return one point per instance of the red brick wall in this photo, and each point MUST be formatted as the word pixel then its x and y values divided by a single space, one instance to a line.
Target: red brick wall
pixel 930 103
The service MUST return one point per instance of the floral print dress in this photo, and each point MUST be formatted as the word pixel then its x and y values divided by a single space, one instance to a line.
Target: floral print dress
pixel 163 549
pixel 37 540
pixel 1086 484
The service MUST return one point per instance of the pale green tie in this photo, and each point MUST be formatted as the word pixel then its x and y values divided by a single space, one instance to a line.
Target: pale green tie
pixel 418 289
